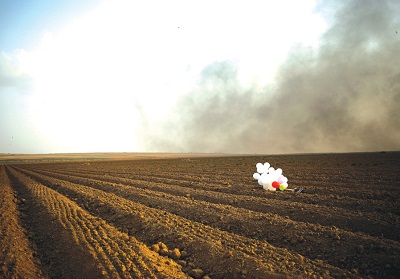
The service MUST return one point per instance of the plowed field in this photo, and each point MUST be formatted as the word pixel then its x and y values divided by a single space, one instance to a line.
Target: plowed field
pixel 202 217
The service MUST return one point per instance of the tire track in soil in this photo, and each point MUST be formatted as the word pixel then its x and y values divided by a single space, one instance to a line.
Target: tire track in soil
pixel 74 244
pixel 324 243
pixel 192 235
pixel 373 224
pixel 16 252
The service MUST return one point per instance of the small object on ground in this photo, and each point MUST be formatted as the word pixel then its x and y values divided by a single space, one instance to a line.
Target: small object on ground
pixel 272 179
pixel 295 190
pixel 269 178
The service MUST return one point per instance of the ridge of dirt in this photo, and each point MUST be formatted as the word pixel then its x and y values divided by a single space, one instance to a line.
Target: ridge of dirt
pixel 368 222
pixel 16 254
pixel 94 248
pixel 210 219
pixel 252 224
pixel 210 248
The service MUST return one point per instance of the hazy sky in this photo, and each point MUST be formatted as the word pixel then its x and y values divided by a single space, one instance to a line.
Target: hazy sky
pixel 199 76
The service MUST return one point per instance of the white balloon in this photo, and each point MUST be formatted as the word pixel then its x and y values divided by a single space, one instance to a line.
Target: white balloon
pixel 274 175
pixel 278 171
pixel 266 178
pixel 256 175
pixel 260 169
pixel 266 165
pixel 271 169
pixel 266 186
pixel 260 181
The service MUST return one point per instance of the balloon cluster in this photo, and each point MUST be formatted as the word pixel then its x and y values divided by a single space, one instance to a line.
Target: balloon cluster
pixel 269 178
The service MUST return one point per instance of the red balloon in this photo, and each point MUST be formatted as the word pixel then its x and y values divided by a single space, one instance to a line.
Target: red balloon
pixel 275 184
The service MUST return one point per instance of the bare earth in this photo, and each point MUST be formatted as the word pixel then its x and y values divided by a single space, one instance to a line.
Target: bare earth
pixel 200 216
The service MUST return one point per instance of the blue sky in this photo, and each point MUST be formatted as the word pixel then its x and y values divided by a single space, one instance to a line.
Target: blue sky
pixel 190 76
pixel 23 22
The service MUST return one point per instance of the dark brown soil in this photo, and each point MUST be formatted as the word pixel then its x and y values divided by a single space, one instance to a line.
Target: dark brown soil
pixel 203 217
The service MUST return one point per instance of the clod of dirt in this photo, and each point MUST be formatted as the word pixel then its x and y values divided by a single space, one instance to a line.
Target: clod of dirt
pixel 155 248
pixel 163 249
pixel 184 254
pixel 175 254
pixel 196 273
pixel 182 263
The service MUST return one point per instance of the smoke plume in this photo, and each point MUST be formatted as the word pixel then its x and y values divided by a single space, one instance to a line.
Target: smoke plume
pixel 343 96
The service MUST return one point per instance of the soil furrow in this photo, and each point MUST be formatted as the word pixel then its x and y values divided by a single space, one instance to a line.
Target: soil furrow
pixel 155 225
pixel 53 234
pixel 339 196
pixel 374 224
pixel 349 210
pixel 269 227
pixel 331 169
pixel 16 252
pixel 58 207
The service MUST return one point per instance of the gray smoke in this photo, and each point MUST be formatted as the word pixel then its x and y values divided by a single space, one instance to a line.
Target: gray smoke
pixel 342 97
